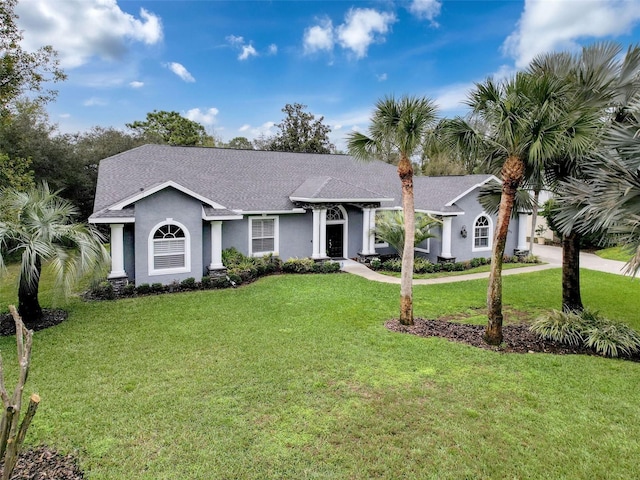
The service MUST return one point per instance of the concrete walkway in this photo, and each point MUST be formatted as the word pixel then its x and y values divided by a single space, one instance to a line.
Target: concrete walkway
pixel 551 255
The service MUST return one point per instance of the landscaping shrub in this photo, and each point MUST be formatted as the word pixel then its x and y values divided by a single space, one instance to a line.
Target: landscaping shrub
pixel 330 267
pixel 422 265
pixel 560 327
pixel 188 284
pixel 392 265
pixel 231 257
pixel 129 289
pixel 589 329
pixel 103 291
pixel 143 288
pixel 206 282
pixel 157 287
pixel 476 262
pixel 298 265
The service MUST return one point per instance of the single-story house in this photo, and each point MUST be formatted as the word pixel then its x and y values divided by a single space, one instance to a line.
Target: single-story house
pixel 173 210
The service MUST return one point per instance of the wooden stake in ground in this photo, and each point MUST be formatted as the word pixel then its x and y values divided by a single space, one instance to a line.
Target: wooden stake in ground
pixel 12 433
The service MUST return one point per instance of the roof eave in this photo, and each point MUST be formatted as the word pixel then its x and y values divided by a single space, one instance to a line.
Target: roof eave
pixel 339 200
pixel 170 184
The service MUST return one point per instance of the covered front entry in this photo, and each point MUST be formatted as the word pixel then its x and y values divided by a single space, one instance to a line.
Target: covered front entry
pixel 336 232
pixel 335 241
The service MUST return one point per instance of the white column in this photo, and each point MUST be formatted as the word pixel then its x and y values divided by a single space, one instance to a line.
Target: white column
pixel 366 228
pixel 323 232
pixel 523 220
pixel 372 227
pixel 117 251
pixel 316 233
pixel 216 246
pixel 446 237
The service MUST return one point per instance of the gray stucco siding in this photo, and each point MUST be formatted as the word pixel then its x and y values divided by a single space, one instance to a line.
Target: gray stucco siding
pixel 129 251
pixel 296 235
pixel 463 248
pixel 235 233
pixel 157 209
pixel 355 231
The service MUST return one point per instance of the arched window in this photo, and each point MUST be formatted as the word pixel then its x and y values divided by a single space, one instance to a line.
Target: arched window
pixel 169 249
pixel 482 233
pixel 334 213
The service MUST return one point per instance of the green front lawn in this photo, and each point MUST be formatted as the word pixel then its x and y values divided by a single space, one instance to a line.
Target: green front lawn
pixel 296 377
pixel 614 253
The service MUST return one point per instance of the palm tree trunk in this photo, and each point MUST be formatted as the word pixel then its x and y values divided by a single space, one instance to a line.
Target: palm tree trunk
pixel 512 173
pixel 405 171
pixel 28 304
pixel 571 299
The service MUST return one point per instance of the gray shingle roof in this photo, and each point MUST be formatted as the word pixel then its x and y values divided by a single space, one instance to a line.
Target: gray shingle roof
pixel 329 188
pixel 251 180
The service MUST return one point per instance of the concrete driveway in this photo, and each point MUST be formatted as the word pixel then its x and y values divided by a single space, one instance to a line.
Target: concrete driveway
pixel 553 255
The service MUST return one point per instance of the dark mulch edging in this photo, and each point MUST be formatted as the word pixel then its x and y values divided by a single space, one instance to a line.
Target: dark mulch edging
pixel 50 318
pixel 517 338
pixel 44 463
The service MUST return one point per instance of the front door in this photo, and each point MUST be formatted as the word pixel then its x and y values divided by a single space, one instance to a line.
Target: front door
pixel 335 241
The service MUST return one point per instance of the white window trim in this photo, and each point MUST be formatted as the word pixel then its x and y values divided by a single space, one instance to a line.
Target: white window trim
pixel 424 250
pixel 473 234
pixel 276 236
pixel 187 250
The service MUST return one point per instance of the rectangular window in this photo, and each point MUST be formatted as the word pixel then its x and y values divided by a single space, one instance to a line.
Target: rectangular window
pixel 482 237
pixel 264 237
pixel 169 253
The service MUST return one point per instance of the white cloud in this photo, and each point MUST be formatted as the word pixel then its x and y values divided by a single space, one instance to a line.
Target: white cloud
pixel 247 51
pixel 273 49
pixel 362 27
pixel 136 84
pixel 426 9
pixel 206 118
pixel 382 77
pixel 180 71
pixel 65 115
pixel 235 39
pixel 95 102
pixel 82 29
pixel 318 37
pixel 266 129
pixel 451 97
pixel 551 25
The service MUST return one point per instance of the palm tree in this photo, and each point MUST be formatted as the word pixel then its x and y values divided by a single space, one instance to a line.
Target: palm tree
pixel 390 228
pixel 527 125
pixel 402 125
pixel 605 82
pixel 38 225
pixel 607 195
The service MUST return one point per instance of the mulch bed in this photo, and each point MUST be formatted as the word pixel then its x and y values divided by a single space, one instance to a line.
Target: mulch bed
pixel 50 318
pixel 44 463
pixel 517 338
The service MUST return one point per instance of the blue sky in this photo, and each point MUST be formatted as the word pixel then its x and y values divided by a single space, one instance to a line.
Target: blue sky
pixel 233 65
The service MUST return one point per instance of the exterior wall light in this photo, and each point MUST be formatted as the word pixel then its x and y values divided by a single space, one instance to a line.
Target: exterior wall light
pixel 463 232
